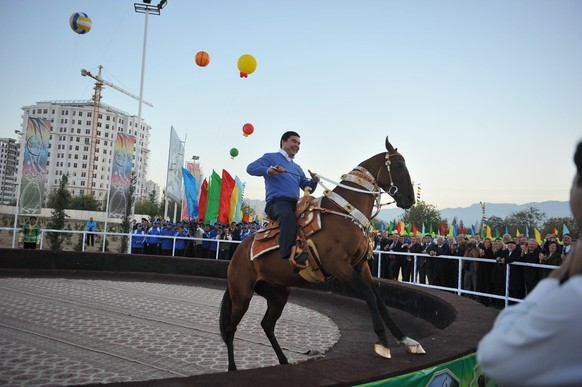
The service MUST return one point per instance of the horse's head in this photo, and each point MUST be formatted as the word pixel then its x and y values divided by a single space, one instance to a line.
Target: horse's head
pixel 395 179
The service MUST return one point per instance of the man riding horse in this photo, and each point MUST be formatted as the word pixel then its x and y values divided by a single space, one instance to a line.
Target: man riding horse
pixel 283 179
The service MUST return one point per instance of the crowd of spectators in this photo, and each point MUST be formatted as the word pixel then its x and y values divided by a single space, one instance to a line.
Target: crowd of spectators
pixel 189 239
pixel 477 276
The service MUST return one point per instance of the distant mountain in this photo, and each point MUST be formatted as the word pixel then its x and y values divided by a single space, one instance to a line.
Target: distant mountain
pixel 472 214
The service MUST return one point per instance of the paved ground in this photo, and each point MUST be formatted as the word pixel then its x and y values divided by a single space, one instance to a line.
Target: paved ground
pixel 59 331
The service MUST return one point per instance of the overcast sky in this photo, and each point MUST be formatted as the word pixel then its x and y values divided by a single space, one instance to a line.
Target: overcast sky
pixel 483 98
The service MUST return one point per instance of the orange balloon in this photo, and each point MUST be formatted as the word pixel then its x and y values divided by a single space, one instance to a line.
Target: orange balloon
pixel 202 58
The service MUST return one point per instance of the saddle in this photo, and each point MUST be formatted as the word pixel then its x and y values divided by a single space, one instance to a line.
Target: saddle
pixel 308 213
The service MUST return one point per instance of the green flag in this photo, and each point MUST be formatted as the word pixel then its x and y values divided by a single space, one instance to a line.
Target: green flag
pixel 213 201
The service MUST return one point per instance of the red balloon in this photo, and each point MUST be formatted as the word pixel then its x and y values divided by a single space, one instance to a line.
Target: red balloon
pixel 248 129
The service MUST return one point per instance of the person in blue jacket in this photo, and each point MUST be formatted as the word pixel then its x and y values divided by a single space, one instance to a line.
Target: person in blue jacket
pixel 167 243
pixel 153 241
pixel 138 237
pixel 283 179
pixel 181 241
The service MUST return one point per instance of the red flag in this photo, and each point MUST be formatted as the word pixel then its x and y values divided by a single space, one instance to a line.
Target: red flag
pixel 462 229
pixel 202 200
pixel 443 228
pixel 246 218
pixel 400 227
pixel 228 184
pixel 414 229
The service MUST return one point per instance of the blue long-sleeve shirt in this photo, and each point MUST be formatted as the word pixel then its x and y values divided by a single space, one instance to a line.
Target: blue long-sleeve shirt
pixel 285 185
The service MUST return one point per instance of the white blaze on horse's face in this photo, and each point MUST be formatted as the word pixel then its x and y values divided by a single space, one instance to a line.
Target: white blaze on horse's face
pixel 291 145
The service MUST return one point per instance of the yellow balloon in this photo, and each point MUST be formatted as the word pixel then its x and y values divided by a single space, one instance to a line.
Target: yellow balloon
pixel 247 64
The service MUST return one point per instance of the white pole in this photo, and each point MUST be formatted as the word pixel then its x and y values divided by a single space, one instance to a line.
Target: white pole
pixel 106 215
pixel 16 216
pixel 136 164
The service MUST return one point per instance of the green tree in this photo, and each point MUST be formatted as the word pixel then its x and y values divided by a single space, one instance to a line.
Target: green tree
pixel 423 213
pixel 246 208
pixel 147 207
pixel 59 200
pixel 85 202
pixel 558 223
pixel 521 220
pixel 126 223
pixel 59 195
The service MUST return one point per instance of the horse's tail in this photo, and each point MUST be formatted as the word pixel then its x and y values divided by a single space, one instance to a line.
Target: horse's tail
pixel 225 308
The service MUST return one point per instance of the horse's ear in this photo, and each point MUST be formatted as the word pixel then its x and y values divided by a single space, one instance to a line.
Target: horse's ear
pixel 389 146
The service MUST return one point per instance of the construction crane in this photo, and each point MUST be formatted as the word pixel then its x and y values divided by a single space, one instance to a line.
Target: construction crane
pixel 99 82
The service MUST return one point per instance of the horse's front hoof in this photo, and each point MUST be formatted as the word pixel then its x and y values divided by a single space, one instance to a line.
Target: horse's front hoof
pixel 415 349
pixel 382 351
pixel 412 346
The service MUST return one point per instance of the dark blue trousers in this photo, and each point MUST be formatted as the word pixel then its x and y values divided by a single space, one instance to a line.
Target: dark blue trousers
pixel 283 211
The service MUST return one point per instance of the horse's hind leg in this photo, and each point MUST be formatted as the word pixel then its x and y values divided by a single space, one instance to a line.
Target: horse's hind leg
pixel 233 309
pixel 276 299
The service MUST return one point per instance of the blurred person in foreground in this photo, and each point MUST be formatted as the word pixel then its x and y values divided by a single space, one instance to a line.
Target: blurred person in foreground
pixel 537 342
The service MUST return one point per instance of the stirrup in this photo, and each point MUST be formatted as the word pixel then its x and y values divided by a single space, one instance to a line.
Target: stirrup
pixel 298 262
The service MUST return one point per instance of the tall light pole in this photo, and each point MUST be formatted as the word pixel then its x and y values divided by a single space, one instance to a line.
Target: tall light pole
pixel 145 8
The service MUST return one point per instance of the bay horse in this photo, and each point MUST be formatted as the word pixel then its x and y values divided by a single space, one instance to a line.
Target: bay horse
pixel 343 245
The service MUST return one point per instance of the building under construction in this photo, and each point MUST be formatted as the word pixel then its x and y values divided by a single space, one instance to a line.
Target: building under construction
pixel 82 144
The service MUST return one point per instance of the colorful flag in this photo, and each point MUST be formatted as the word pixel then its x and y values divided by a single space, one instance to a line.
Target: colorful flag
pixel 442 229
pixel 555 231
pixel 226 189
pixel 517 233
pixel 423 232
pixel 191 193
pixel 195 171
pixel 462 229
pixel 507 230
pixel 213 201
pixel 240 187
pixel 414 229
pixel 473 230
pixel 203 200
pixel 34 167
pixel 538 236
pixel 409 229
pixel 430 230
pixel 400 228
pixel 121 168
pixel 455 230
pixel 451 231
pixel 488 232
pixel 565 230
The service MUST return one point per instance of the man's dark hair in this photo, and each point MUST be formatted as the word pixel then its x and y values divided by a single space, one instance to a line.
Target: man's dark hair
pixel 578 162
pixel 286 136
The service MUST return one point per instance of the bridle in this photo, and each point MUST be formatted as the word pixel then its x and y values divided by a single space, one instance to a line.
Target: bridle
pixel 363 178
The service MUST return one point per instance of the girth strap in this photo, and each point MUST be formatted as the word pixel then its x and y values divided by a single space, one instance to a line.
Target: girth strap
pixel 351 210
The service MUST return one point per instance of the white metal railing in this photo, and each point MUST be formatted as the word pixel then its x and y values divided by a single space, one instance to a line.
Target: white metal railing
pixel 459 288
pixel 84 234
